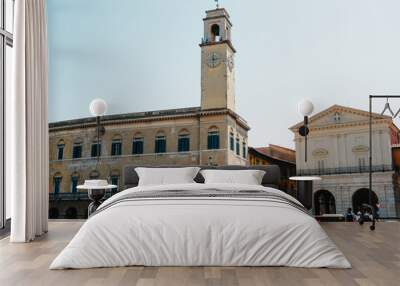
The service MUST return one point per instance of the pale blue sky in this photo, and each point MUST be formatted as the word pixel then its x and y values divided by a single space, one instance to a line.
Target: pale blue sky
pixel 144 55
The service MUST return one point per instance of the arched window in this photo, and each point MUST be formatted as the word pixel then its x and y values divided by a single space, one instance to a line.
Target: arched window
pixel 74 182
pixel 96 148
pixel 160 145
pixel 116 146
pixel 77 149
pixel 215 32
pixel 57 183
pixel 60 149
pixel 238 146
pixel 184 141
pixel 324 203
pixel 361 197
pixel 231 141
pixel 213 138
pixel 244 151
pixel 138 144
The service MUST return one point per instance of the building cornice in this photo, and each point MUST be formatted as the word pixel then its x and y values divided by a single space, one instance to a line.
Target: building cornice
pixel 228 42
pixel 142 117
pixel 339 108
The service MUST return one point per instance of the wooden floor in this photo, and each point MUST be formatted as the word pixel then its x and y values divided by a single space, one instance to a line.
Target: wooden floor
pixel 375 257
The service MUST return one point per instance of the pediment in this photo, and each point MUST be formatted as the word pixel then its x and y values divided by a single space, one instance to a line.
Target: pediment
pixel 337 114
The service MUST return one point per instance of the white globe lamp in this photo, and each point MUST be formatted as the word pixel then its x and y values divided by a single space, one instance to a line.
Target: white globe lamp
pixel 98 107
pixel 305 107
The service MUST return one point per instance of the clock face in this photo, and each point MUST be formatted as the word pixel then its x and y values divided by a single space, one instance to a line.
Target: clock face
pixel 214 60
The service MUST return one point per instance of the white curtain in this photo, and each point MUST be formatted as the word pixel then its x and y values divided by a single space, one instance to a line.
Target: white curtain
pixel 27 123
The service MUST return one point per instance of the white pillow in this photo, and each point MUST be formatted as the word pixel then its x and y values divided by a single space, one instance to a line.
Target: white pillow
pixel 166 176
pixel 248 177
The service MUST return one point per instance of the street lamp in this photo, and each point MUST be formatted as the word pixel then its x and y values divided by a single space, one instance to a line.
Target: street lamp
pixel 305 108
pixel 98 108
pixel 97 188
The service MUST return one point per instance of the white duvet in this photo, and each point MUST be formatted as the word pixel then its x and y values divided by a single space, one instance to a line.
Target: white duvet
pixel 200 232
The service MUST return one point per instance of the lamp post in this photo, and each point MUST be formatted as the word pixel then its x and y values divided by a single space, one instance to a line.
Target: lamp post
pixel 98 108
pixel 97 188
pixel 305 108
pixel 305 184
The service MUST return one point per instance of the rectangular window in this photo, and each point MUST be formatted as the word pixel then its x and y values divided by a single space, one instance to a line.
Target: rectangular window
pixel 231 142
pixel 244 150
pixel 74 184
pixel 94 149
pixel 116 148
pixel 57 185
pixel 237 146
pixel 137 146
pixel 183 143
pixel 160 145
pixel 60 152
pixel 77 151
pixel 6 64
pixel 213 140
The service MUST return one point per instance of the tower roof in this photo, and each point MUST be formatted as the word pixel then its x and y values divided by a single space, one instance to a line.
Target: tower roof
pixel 218 13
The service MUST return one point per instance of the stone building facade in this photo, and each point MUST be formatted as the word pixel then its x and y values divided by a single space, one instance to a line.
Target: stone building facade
pixel 179 137
pixel 338 148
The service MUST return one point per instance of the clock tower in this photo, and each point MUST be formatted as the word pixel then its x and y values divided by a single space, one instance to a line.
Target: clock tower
pixel 217 62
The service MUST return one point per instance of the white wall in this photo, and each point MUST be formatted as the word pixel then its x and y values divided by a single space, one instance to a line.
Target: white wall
pixel 340 149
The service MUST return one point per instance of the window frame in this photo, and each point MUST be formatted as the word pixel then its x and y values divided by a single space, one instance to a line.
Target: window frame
pixel 213 140
pixel 60 151
pixel 184 142
pixel 232 141
pixel 6 40
pixel 137 140
pixel 56 179
pixel 116 147
pixel 244 149
pixel 74 177
pixel 76 145
pixel 93 153
pixel 160 144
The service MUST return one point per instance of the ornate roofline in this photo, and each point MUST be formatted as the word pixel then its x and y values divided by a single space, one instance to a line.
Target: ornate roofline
pixel 139 117
pixel 342 125
pixel 333 108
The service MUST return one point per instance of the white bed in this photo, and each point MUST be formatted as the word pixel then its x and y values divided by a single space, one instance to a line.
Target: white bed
pixel 206 230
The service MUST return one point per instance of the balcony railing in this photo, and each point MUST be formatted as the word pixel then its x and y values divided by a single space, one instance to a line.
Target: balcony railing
pixel 79 196
pixel 344 170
